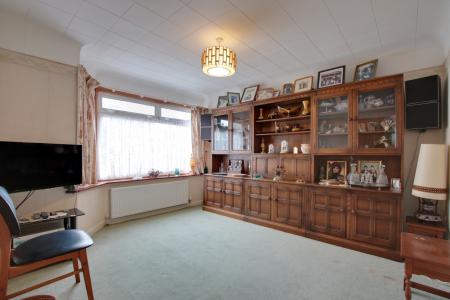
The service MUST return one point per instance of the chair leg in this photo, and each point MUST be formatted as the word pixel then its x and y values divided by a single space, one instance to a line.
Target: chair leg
pixel 86 274
pixel 76 268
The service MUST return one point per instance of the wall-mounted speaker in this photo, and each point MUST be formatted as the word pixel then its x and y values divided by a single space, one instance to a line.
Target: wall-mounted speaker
pixel 423 103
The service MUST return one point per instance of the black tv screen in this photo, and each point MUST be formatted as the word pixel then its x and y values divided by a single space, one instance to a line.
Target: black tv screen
pixel 33 166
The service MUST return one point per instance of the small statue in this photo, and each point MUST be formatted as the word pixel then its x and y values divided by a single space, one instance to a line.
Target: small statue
pixel 261 117
pixel 284 146
pixel 289 111
pixel 271 148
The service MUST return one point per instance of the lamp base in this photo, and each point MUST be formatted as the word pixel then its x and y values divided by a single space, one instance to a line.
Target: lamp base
pixel 427 211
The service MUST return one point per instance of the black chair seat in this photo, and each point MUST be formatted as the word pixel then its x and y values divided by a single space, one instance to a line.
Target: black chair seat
pixel 51 245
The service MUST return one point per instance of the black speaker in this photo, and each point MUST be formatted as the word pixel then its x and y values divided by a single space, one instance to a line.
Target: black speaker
pixel 423 103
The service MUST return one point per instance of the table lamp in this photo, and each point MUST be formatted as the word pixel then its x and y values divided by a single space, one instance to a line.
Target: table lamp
pixel 430 182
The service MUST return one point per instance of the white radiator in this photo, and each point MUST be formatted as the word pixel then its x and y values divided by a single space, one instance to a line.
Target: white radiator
pixel 125 201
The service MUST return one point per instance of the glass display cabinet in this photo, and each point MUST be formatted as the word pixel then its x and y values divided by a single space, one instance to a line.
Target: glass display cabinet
pixel 240 140
pixel 220 133
pixel 332 134
pixel 377 120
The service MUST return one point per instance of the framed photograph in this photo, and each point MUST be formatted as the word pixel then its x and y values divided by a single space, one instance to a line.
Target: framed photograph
pixel 303 84
pixel 369 170
pixel 288 88
pixel 222 101
pixel 366 70
pixel 336 169
pixel 276 93
pixel 264 94
pixel 249 93
pixel 233 98
pixel 331 77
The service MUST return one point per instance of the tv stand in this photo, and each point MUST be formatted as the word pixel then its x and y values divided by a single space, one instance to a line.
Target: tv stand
pixel 68 220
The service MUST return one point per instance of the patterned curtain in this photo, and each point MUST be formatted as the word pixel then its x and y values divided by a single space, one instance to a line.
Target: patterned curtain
pixel 87 124
pixel 197 144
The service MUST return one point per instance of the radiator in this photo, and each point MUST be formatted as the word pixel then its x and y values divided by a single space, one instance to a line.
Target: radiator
pixel 125 201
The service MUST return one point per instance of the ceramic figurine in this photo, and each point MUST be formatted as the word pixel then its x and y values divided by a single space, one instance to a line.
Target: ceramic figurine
pixel 353 176
pixel 382 178
pixel 284 146
pixel 271 148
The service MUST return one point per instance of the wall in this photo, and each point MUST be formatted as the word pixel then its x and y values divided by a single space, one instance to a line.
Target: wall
pixel 38 104
pixel 20 33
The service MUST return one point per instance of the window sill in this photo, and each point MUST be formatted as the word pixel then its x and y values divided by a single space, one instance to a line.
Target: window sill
pixel 85 187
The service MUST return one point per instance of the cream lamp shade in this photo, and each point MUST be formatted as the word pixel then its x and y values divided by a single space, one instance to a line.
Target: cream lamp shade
pixel 430 181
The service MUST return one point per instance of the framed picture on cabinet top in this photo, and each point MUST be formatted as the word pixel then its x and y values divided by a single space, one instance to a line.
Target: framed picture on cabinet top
pixel 276 93
pixel 233 98
pixel 337 170
pixel 303 84
pixel 366 70
pixel 222 101
pixel 264 94
pixel 288 89
pixel 331 77
pixel 249 93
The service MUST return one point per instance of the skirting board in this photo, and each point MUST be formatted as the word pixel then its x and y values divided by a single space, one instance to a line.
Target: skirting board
pixel 110 221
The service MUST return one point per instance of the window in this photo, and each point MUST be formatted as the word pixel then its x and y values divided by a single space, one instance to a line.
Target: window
pixel 136 136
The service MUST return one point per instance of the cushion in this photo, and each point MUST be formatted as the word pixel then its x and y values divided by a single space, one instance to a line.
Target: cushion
pixel 51 245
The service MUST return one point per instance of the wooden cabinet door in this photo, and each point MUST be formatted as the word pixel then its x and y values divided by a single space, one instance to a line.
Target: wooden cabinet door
pixel 233 195
pixel 328 213
pixel 373 219
pixel 257 199
pixel 213 191
pixel 287 203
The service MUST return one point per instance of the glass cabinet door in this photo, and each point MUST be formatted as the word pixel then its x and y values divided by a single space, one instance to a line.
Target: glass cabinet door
pixel 220 133
pixel 332 133
pixel 241 131
pixel 377 122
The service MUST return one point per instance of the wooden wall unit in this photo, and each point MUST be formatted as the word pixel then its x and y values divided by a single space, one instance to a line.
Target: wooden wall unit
pixel 344 124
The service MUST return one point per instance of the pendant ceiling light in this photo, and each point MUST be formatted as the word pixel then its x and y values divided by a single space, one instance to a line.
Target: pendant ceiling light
pixel 219 61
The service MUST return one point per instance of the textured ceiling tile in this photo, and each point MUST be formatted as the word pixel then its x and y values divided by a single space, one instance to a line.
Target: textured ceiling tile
pixel 143 17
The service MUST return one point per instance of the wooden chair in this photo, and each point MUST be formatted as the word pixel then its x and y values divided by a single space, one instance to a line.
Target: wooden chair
pixel 39 252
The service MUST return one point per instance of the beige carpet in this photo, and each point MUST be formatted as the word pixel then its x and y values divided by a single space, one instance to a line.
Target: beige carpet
pixel 192 254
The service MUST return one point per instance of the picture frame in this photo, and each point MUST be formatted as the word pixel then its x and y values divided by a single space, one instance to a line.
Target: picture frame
pixel 249 93
pixel 222 101
pixel 371 166
pixel 331 77
pixel 366 70
pixel 288 88
pixel 276 93
pixel 303 84
pixel 233 98
pixel 264 94
pixel 337 174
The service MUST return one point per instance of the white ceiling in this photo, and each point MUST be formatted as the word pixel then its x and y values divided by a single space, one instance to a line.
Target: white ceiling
pixel 160 41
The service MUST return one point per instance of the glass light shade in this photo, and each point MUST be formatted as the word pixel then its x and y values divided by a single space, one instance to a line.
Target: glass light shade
pixel 430 181
pixel 219 61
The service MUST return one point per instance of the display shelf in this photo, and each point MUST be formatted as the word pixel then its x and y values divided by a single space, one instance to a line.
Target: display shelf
pixel 282 133
pixel 381 108
pixel 284 119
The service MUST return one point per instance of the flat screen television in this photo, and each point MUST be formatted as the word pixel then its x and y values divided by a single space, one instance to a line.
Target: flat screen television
pixel 34 166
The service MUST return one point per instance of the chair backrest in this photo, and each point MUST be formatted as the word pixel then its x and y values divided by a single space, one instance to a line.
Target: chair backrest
pixel 8 212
